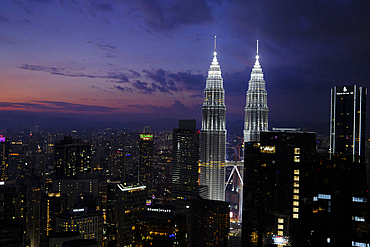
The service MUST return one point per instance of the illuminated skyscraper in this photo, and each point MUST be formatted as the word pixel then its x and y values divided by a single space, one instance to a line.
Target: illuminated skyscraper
pixel 347 122
pixel 213 134
pixel 256 110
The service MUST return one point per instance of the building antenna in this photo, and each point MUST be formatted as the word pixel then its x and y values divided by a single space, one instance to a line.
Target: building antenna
pixel 215 43
pixel 257 46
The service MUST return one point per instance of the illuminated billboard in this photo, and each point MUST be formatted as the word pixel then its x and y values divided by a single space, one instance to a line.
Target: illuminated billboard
pixel 146 137
pixel 2 139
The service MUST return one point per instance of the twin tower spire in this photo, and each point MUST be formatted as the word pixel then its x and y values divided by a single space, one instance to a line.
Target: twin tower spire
pixel 213 134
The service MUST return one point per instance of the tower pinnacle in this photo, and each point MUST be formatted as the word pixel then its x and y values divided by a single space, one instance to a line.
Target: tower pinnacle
pixel 215 42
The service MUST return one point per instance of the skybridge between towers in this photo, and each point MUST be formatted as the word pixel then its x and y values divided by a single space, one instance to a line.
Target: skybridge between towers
pixel 234 188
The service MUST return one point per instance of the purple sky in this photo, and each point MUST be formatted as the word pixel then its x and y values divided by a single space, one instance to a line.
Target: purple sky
pixel 148 59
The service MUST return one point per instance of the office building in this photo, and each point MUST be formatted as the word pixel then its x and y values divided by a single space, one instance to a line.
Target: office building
pixel 256 110
pixel 146 152
pixel 131 200
pixel 72 156
pixel 185 163
pixel 278 180
pixel 213 134
pixel 89 223
pixel 208 222
pixel 160 226
pixel 4 158
pixel 348 121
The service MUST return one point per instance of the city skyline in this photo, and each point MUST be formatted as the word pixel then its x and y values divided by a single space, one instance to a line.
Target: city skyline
pixel 136 60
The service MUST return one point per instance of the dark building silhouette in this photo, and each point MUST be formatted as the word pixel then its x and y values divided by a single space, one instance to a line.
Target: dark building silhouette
pixel 4 158
pixel 131 202
pixel 276 188
pixel 185 161
pixel 348 121
pixel 160 226
pixel 72 156
pixel 146 152
pixel 208 222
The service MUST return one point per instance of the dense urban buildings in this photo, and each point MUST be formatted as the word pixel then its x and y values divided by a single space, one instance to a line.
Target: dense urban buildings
pixel 256 110
pixel 185 163
pixel 213 134
pixel 348 121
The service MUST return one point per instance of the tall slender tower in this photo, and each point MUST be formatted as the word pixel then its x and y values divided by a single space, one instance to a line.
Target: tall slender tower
pixel 348 121
pixel 213 134
pixel 256 110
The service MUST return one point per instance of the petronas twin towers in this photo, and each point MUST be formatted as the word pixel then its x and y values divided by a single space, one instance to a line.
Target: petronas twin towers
pixel 213 134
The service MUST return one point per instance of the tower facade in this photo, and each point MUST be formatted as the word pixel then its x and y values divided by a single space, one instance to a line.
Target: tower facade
pixel 146 152
pixel 185 163
pixel 347 121
pixel 213 134
pixel 256 110
pixel 72 156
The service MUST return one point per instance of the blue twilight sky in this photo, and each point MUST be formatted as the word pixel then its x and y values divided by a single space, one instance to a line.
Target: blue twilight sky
pixel 148 59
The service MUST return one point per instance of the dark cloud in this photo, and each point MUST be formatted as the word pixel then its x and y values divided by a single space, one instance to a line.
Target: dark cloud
pixel 190 81
pixel 169 15
pixel 100 44
pixel 58 106
pixel 117 77
pixel 120 88
pixel 135 73
pixel 175 81
pixel 142 86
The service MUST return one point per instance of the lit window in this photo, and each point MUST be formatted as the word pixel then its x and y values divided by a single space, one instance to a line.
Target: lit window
pixel 296 184
pixel 280 220
pixel 296 178
pixel 359 199
pixel 323 196
pixel 297 159
pixel 281 233
pixel 295 210
pixel 295 216
pixel 296 191
pixel 295 203
pixel 296 172
pixel 280 227
pixel 357 218
pixel 297 151
pixel 296 197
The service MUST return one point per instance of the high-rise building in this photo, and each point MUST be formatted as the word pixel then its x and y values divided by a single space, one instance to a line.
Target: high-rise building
pixel 4 158
pixel 185 163
pixel 208 222
pixel 72 156
pixel 278 182
pixel 88 223
pixel 160 226
pixel 131 202
pixel 213 134
pixel 256 110
pixel 347 121
pixel 146 151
